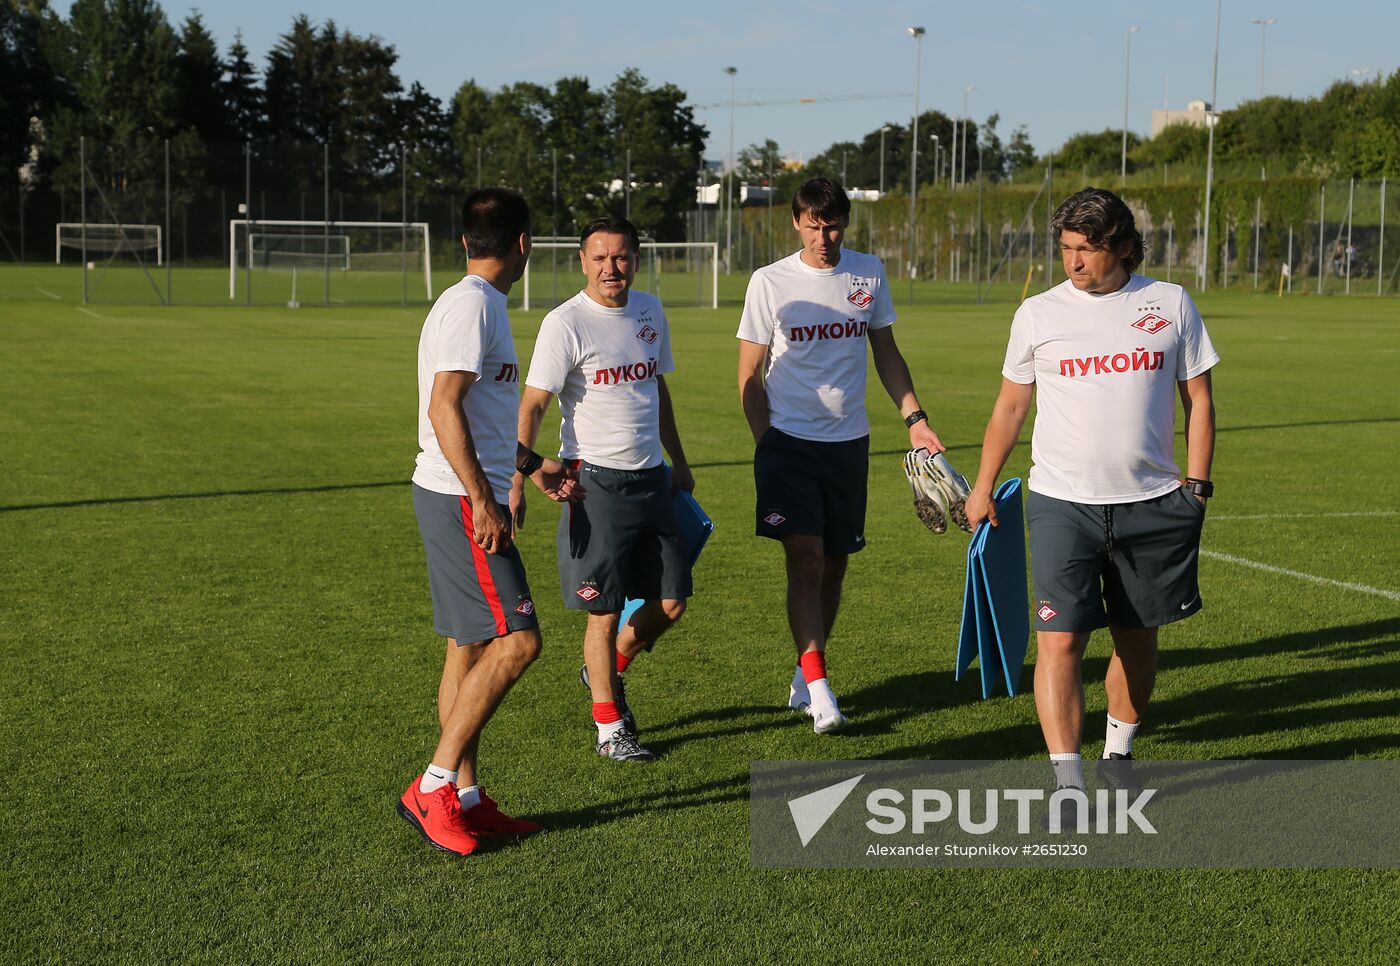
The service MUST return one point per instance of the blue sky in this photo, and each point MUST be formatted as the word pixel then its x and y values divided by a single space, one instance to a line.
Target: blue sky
pixel 1056 69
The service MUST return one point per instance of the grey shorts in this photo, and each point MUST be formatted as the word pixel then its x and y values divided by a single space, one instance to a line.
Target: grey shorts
pixel 477 596
pixel 621 541
pixel 811 488
pixel 1126 564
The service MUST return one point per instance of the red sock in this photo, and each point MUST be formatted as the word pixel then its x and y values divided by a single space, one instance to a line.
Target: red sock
pixel 605 712
pixel 813 666
pixel 622 661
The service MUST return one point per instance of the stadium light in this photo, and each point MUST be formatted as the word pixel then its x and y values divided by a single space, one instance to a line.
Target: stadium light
pixel 918 34
pixel 1264 26
pixel 728 183
pixel 1127 74
pixel 882 159
pixel 1210 151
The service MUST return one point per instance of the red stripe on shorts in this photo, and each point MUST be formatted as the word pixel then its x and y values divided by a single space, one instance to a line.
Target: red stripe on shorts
pixel 483 572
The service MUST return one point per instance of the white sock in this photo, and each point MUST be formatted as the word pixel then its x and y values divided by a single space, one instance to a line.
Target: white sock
pixel 1069 770
pixel 799 683
pixel 435 777
pixel 1118 739
pixel 470 796
pixel 606 731
pixel 820 696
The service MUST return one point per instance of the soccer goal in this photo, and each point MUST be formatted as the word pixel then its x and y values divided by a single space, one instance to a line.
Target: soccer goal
pixel 107 239
pixel 366 258
pixel 675 271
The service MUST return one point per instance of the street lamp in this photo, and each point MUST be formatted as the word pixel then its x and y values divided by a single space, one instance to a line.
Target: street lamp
pixel 1210 151
pixel 882 159
pixel 1264 26
pixel 728 187
pixel 962 178
pixel 936 146
pixel 918 34
pixel 1127 73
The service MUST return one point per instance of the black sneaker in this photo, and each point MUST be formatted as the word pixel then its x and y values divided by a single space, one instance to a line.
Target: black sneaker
pixel 1069 813
pixel 1118 774
pixel 624 746
pixel 619 697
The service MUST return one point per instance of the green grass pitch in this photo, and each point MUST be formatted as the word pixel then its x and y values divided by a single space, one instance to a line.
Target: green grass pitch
pixel 217 667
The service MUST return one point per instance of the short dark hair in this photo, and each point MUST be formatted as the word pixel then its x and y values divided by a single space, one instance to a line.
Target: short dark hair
pixel 493 219
pixel 610 225
pixel 1104 219
pixel 823 198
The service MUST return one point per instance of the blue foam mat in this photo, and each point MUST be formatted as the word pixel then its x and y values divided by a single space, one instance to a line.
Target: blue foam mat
pixel 695 525
pixel 996 618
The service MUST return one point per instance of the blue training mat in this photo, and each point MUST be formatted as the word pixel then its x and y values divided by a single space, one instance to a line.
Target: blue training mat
pixel 995 618
pixel 695 525
pixel 1003 564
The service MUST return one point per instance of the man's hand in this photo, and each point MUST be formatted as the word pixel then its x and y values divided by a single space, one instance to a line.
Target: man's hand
pixel 682 479
pixel 981 506
pixel 559 482
pixel 922 436
pixel 517 502
pixel 491 531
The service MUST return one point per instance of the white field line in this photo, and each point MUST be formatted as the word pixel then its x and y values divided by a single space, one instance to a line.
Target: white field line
pixel 87 311
pixel 44 291
pixel 1305 516
pixel 1268 568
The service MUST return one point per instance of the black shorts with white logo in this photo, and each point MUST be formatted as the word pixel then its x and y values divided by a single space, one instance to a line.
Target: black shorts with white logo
pixel 1125 564
pixel 812 488
pixel 477 596
pixel 622 541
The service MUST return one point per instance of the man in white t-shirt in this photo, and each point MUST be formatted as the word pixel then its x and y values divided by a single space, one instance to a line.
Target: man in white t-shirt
pixel 807 319
pixel 468 392
pixel 1115 531
pixel 605 353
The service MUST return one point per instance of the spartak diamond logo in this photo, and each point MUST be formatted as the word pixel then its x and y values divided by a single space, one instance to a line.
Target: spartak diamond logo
pixel 587 593
pixel 1151 324
pixel 1046 612
pixel 860 298
pixel 526 607
pixel 773 519
pixel 648 335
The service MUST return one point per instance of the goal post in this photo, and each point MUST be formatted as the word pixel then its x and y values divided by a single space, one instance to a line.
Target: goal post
pixel 111 239
pixel 329 246
pixel 652 265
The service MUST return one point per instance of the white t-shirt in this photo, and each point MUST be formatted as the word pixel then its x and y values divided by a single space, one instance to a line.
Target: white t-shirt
pixel 467 331
pixel 602 363
pixel 814 321
pixel 1106 369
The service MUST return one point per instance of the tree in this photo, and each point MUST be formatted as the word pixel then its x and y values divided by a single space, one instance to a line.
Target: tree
pixel 243 97
pixel 666 146
pixel 32 89
pixel 200 103
pixel 1020 153
pixel 1094 153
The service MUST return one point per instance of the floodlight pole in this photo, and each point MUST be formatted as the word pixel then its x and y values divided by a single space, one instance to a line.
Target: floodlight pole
pixel 918 34
pixel 82 177
pixel 962 178
pixel 1210 152
pixel 882 159
pixel 167 222
pixel 1127 87
pixel 728 176
pixel 1263 39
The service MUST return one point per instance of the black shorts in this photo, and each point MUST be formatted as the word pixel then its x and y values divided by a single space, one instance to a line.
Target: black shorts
pixel 477 596
pixel 1126 564
pixel 622 541
pixel 812 489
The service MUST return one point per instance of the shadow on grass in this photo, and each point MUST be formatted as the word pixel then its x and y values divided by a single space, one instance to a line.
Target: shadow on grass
pixel 214 494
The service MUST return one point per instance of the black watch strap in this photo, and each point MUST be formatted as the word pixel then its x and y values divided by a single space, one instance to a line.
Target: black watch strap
pixel 914 417
pixel 1204 489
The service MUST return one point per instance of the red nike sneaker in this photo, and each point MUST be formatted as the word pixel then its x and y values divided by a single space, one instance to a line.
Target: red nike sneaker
pixel 438 818
pixel 488 819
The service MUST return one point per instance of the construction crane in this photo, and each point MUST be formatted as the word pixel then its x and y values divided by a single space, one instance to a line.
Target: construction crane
pixel 802 100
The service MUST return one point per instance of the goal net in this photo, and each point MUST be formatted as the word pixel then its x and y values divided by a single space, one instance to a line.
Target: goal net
pixel 329 261
pixel 681 273
pixel 107 239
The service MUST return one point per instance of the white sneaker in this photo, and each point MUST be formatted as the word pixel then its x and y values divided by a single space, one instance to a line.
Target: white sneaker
pixel 825 722
pixel 940 492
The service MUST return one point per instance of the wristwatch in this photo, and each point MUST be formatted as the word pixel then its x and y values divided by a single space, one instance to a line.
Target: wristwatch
pixel 1204 489
pixel 914 417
